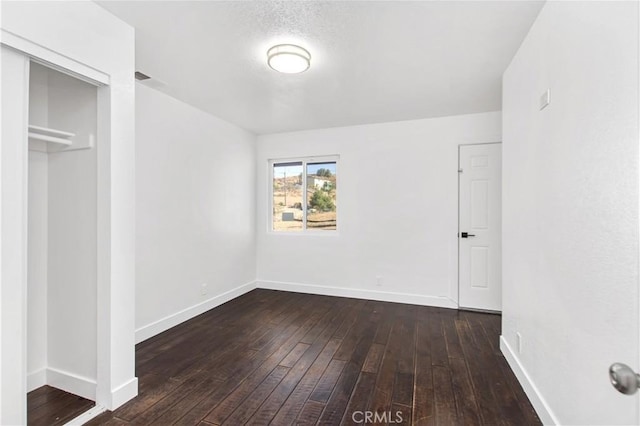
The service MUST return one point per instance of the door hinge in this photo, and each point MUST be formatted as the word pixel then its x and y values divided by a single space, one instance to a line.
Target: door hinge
pixel 459 170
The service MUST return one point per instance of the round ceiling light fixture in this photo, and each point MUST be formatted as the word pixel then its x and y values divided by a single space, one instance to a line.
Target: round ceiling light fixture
pixel 288 58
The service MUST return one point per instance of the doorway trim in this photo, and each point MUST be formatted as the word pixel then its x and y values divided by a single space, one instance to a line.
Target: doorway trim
pixel 115 351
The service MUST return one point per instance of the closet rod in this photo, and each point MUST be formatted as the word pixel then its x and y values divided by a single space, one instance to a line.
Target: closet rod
pixel 46 138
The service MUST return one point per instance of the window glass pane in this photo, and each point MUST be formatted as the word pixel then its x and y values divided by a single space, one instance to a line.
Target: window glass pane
pixel 287 197
pixel 321 196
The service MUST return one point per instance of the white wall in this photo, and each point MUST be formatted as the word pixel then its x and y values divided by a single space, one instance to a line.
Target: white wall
pixel 195 184
pixel 37 235
pixel 397 210
pixel 37 273
pixel 570 210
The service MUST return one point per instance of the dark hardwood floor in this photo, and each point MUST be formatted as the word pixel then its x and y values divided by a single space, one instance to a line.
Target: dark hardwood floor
pixel 49 406
pixel 280 358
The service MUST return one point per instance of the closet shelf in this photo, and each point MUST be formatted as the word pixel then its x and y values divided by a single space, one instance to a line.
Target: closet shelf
pixel 50 135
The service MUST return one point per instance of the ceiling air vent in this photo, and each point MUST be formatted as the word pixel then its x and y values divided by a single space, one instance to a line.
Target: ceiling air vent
pixel 140 76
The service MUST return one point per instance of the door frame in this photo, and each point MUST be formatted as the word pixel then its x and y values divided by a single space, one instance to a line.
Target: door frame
pixel 457 289
pixel 115 312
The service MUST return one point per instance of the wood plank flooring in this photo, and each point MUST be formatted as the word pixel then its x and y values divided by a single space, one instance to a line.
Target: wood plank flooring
pixel 49 406
pixel 281 358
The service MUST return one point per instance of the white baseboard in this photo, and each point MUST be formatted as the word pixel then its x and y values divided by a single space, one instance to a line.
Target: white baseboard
pixel 383 296
pixel 157 327
pixel 145 332
pixel 81 386
pixel 72 383
pixel 537 400
pixel 123 393
pixel 36 379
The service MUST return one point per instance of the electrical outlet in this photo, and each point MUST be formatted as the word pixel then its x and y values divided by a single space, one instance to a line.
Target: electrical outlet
pixel 519 342
pixel 379 280
pixel 203 289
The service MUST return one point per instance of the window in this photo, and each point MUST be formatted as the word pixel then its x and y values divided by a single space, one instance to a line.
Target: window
pixel 304 195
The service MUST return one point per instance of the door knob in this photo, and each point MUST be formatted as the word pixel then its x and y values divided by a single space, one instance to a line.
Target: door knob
pixel 466 235
pixel 624 379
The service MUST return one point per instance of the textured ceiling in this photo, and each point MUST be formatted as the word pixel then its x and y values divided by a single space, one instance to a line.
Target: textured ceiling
pixel 371 61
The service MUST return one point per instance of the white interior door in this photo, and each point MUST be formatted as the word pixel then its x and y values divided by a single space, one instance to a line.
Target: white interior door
pixel 479 227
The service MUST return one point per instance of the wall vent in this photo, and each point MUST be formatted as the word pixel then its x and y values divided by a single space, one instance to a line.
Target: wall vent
pixel 140 76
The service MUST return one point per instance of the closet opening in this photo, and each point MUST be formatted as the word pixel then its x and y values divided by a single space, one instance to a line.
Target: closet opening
pixel 61 246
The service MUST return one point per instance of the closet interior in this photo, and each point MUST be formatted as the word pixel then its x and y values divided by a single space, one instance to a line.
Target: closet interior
pixel 62 246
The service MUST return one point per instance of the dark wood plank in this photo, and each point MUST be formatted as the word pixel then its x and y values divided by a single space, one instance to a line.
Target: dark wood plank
pixel 466 406
pixel 41 396
pixel 488 326
pixel 156 410
pixel 351 317
pixel 310 413
pixel 102 419
pixel 403 389
pixel 424 411
pixel 382 334
pixel 244 412
pixel 337 404
pixel 237 368
pixel 237 395
pixel 406 351
pixel 439 355
pixel 291 358
pixel 454 348
pixel 185 333
pixel 292 406
pixel 223 410
pixel 325 385
pixel 381 399
pixel 508 403
pixel 337 315
pixel 188 401
pixel 400 415
pixel 272 405
pixel 372 362
pixel 108 421
pixel 531 417
pixel 446 413
pixel 354 333
pixel 147 399
pixel 486 400
pixel 359 401
pixel 50 406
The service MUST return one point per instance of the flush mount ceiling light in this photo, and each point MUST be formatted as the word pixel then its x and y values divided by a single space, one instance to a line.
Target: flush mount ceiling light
pixel 288 58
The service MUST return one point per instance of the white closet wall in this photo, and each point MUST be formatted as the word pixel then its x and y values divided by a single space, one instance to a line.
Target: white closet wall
pixel 62 288
pixel 37 236
pixel 37 270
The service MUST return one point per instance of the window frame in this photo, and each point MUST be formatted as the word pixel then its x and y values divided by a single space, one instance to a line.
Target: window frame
pixel 304 160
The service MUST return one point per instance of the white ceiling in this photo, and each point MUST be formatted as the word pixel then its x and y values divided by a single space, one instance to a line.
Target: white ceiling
pixel 371 61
